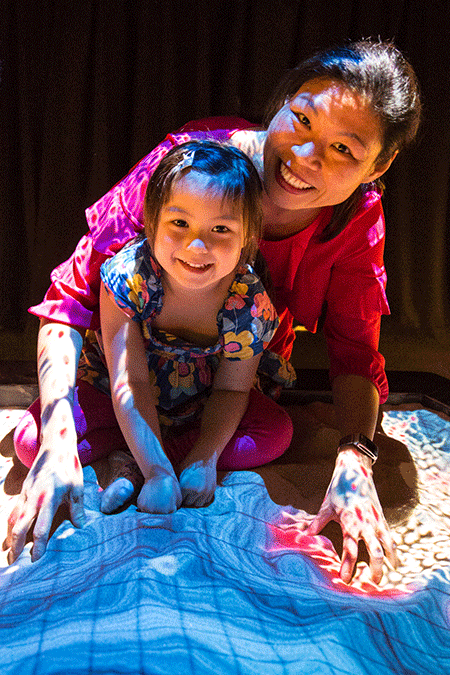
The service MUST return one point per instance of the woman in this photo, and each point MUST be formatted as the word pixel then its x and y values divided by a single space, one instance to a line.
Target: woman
pixel 334 127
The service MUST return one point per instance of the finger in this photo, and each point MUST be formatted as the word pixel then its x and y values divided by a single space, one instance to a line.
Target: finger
pixel 319 522
pixel 18 535
pixel 376 555
pixel 349 557
pixel 76 506
pixel 41 530
pixel 390 548
pixel 12 520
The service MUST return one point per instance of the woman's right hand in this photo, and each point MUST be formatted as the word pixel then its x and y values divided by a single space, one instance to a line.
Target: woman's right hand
pixel 55 477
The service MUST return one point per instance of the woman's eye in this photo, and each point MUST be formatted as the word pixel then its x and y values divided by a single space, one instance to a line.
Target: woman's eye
pixel 222 229
pixel 302 118
pixel 343 149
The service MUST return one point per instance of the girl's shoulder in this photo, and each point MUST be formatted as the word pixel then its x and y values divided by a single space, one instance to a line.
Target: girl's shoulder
pixel 248 319
pixel 135 257
pixel 246 281
pixel 133 279
pixel 247 295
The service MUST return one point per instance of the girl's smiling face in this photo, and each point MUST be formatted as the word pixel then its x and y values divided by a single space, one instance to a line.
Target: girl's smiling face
pixel 321 146
pixel 199 235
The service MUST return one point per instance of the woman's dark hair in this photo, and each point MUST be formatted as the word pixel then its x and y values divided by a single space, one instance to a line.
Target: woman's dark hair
pixel 378 72
pixel 232 177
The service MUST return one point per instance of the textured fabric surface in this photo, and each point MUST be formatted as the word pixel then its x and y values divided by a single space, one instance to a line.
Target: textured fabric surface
pixel 227 589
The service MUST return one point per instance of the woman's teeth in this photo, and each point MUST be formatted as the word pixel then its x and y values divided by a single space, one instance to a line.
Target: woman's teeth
pixel 291 179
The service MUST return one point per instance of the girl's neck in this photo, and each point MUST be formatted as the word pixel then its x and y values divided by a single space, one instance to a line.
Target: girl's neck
pixel 191 314
pixel 283 223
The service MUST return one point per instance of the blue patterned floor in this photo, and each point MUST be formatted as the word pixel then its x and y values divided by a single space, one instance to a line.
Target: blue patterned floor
pixel 216 590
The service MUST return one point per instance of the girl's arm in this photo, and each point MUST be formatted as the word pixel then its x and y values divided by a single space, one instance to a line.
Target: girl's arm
pixel 135 409
pixel 220 419
pixel 55 475
pixel 351 498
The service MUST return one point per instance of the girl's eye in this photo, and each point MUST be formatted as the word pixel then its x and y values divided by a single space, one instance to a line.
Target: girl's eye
pixel 179 223
pixel 222 229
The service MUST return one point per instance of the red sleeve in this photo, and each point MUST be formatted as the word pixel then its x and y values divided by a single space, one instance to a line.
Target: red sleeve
pixel 73 295
pixel 356 300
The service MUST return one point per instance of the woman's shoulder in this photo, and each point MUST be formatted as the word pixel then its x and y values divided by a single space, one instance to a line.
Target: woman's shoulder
pixel 251 142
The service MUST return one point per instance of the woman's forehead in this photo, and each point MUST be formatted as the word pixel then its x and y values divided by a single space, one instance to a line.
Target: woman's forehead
pixel 328 92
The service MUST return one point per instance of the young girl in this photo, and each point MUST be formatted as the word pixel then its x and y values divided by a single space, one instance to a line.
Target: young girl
pixel 184 321
pixel 334 126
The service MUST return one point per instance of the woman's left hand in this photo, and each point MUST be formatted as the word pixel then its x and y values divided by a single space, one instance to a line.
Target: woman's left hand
pixel 352 501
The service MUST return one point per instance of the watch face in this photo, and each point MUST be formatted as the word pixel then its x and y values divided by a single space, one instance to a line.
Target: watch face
pixel 361 443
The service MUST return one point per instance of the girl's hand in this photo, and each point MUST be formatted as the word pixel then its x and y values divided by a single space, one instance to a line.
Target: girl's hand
pixel 198 482
pixel 160 494
pixel 53 478
pixel 352 501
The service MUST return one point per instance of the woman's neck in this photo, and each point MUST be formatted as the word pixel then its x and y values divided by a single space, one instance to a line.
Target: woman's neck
pixel 282 223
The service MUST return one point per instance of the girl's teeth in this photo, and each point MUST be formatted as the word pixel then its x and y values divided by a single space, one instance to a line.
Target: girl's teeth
pixel 194 265
pixel 291 179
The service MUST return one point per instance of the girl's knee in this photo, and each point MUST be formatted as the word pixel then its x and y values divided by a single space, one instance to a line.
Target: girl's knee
pixel 280 428
pixel 275 422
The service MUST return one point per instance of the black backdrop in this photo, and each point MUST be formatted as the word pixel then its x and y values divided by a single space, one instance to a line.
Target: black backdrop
pixel 89 87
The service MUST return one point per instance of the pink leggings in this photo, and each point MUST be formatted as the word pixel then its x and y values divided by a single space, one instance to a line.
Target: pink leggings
pixel 264 433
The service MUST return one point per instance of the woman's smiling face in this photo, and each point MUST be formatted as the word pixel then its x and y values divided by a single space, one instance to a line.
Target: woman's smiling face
pixel 321 146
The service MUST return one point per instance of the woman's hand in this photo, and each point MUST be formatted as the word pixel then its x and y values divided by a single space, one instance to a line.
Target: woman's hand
pixel 55 475
pixel 54 478
pixel 198 481
pixel 352 501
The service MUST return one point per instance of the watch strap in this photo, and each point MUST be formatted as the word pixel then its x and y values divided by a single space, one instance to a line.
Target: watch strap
pixel 361 443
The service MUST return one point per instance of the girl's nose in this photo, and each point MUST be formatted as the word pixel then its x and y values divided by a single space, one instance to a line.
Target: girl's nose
pixel 197 243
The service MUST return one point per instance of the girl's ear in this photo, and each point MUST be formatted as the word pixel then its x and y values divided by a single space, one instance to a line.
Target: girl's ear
pixel 380 169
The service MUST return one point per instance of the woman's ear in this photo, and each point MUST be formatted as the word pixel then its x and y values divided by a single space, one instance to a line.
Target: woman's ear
pixel 380 169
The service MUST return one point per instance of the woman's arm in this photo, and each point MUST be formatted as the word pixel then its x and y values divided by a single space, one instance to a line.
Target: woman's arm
pixel 220 419
pixel 135 408
pixel 351 498
pixel 55 475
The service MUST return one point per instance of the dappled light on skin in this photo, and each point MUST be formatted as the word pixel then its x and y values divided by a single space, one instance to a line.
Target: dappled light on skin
pixel 122 390
pixel 287 534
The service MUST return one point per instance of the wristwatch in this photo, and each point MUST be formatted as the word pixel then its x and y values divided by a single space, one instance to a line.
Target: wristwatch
pixel 361 443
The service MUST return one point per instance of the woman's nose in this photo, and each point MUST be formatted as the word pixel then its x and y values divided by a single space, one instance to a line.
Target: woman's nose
pixel 308 151
pixel 198 244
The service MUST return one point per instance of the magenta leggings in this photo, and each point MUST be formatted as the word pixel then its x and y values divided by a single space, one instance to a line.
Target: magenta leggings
pixel 264 432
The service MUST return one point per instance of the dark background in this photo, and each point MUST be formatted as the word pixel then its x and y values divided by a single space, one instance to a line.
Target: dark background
pixel 90 86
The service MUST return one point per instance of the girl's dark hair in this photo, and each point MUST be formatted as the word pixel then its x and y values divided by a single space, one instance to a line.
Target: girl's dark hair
pixel 232 176
pixel 378 72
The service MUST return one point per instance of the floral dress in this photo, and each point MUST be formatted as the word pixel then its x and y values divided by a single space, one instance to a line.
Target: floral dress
pixel 181 373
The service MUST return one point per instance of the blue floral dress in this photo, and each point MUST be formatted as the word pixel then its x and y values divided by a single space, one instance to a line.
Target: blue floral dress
pixel 181 373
